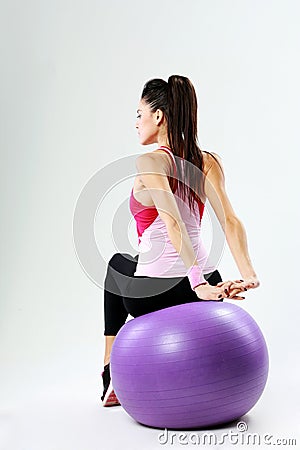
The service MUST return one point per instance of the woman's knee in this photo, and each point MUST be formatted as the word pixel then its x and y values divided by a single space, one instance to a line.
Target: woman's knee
pixel 121 267
pixel 118 258
pixel 213 278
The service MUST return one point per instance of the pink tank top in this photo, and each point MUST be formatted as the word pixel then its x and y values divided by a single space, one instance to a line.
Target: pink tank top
pixel 157 255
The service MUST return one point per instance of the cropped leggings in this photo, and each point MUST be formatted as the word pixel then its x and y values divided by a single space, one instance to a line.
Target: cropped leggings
pixel 126 294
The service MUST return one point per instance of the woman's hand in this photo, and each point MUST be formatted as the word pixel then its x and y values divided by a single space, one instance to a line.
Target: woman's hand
pixel 231 288
pixel 209 292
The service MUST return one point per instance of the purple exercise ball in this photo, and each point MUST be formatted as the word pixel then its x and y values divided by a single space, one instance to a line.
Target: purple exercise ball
pixel 192 365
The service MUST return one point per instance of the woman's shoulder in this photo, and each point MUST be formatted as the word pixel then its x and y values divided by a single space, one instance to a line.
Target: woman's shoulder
pixel 209 159
pixel 210 156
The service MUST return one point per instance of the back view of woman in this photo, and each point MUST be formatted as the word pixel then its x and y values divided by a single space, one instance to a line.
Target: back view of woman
pixel 167 202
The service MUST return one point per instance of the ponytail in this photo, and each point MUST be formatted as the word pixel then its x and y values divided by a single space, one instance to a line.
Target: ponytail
pixel 177 99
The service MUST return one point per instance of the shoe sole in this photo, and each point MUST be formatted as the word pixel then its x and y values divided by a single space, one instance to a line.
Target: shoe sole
pixel 110 398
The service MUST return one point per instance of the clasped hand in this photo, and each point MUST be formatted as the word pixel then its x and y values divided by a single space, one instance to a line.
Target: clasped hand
pixel 226 289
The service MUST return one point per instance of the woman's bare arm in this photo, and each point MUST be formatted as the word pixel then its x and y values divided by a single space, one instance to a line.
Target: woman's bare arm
pixel 154 178
pixel 214 187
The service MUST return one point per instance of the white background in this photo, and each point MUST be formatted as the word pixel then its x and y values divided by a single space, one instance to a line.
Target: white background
pixel 72 74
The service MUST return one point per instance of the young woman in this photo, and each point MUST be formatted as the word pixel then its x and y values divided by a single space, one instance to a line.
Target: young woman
pixel 167 202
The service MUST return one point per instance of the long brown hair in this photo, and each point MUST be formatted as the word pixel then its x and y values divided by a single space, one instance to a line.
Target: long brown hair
pixel 177 99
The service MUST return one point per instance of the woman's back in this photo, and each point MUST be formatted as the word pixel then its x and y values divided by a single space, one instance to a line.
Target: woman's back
pixel 157 255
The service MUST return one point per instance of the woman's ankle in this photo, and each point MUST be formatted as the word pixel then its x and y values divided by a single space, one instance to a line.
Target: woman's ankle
pixel 106 361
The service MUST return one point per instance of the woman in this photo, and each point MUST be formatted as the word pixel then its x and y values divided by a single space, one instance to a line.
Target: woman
pixel 167 202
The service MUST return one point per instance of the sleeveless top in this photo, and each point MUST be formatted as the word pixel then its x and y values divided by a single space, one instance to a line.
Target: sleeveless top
pixel 157 255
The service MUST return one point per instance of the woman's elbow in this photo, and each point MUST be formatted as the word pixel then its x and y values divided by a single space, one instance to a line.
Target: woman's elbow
pixel 175 226
pixel 232 219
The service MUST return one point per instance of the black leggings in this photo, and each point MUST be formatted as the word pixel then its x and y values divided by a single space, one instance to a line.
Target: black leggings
pixel 126 294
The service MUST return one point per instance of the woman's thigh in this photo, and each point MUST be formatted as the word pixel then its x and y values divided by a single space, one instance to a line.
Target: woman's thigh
pixel 148 294
pixel 142 294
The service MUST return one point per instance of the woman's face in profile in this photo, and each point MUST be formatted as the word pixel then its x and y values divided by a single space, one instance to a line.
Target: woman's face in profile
pixel 145 124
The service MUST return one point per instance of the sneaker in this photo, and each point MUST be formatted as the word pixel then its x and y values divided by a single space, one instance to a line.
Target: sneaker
pixel 109 397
